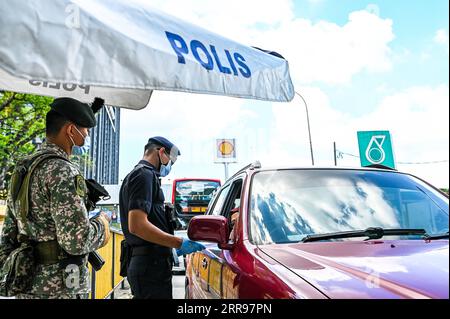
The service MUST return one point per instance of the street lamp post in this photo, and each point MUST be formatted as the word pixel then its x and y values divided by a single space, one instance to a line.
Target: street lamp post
pixel 309 128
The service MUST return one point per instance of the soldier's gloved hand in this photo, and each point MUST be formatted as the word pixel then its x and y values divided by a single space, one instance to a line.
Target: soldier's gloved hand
pixel 189 247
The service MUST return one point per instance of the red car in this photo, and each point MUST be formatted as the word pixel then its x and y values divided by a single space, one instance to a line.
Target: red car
pixel 321 233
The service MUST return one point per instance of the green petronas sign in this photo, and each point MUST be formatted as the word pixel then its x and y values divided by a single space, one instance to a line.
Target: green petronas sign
pixel 375 148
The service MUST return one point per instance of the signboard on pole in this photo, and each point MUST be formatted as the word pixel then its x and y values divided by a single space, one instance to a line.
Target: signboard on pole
pixel 375 148
pixel 225 151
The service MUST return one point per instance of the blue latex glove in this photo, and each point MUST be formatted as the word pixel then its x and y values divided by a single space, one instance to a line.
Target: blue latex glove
pixel 189 247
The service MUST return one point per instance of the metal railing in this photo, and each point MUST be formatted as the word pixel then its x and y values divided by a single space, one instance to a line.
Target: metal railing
pixel 106 280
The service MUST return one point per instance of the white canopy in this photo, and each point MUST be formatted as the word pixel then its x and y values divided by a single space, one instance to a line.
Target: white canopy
pixel 122 50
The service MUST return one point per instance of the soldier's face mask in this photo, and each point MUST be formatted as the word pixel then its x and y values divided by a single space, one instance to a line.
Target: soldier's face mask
pixel 84 147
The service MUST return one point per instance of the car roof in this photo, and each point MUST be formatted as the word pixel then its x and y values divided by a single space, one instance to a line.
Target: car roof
pixel 257 167
pixel 271 168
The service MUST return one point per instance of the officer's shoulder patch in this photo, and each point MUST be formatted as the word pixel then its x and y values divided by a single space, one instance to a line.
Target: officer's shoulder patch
pixel 80 185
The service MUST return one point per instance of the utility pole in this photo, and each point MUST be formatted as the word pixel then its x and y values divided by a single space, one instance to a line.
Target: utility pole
pixel 335 154
pixel 309 128
pixel 226 170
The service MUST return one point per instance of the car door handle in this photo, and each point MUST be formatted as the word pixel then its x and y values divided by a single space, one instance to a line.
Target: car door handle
pixel 204 263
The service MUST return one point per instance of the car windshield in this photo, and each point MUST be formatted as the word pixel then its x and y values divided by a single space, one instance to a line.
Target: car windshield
pixel 287 205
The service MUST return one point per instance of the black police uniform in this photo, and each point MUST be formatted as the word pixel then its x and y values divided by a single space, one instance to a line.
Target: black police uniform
pixel 150 270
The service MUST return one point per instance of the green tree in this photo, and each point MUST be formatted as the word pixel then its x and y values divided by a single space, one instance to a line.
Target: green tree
pixel 22 121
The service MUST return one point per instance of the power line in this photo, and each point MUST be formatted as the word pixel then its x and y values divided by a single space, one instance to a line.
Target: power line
pixel 340 155
pixel 418 163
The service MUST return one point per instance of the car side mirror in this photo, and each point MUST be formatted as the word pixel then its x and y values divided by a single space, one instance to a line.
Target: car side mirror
pixel 211 229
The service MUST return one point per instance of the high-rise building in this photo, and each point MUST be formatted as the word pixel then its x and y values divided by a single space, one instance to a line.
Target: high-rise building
pixel 103 162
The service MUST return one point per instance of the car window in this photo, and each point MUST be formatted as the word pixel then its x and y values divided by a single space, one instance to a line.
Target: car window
pixel 219 202
pixel 233 202
pixel 237 203
pixel 234 198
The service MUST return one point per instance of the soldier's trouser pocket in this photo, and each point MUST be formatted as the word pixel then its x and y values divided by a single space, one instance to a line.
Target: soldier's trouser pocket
pixel 16 273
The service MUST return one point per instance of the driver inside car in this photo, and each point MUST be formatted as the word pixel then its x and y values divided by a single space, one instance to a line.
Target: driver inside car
pixel 234 216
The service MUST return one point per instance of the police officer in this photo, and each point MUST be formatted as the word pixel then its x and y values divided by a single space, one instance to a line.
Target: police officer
pixel 57 219
pixel 146 224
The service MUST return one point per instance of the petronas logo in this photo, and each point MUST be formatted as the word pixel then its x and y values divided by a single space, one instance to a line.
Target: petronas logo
pixel 374 152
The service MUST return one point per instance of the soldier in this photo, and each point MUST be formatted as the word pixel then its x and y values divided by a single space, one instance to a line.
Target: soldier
pixel 57 218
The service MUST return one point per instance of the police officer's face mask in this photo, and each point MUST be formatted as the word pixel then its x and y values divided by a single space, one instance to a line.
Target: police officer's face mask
pixel 164 169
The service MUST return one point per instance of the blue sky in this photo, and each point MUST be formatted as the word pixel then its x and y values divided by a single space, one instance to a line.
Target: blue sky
pixel 414 25
pixel 361 65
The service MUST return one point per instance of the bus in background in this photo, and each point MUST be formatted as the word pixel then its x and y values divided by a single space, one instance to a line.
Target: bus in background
pixel 189 196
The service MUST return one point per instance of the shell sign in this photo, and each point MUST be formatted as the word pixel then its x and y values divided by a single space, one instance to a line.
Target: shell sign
pixel 225 149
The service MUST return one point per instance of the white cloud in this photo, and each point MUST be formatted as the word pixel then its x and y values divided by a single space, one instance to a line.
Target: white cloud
pixel 230 17
pixel 441 38
pixel 418 119
pixel 192 121
pixel 289 134
pixel 186 114
pixel 373 8
pixel 328 53
pixel 317 52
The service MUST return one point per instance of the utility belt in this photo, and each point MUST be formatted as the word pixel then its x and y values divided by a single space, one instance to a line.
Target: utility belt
pixel 49 253
pixel 156 252
pixel 127 252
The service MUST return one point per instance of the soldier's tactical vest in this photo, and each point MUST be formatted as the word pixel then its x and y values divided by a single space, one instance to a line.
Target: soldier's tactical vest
pixel 20 186
pixel 17 267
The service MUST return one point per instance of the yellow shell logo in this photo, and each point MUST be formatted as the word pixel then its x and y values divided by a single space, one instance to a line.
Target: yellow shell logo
pixel 226 148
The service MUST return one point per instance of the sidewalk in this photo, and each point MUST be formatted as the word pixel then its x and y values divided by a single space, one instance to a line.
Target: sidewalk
pixel 177 284
pixel 123 293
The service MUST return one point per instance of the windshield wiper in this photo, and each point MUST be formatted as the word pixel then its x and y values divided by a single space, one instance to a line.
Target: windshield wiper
pixel 371 233
pixel 436 236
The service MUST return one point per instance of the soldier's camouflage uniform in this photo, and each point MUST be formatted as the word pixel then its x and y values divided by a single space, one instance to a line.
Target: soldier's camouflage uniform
pixel 58 211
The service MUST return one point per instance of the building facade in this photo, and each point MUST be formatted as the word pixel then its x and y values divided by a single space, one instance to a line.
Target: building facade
pixel 102 163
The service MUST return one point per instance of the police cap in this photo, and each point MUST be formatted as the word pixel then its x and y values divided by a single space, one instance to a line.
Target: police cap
pixel 77 112
pixel 168 145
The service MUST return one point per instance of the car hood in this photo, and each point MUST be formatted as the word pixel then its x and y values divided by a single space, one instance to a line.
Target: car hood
pixel 369 269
